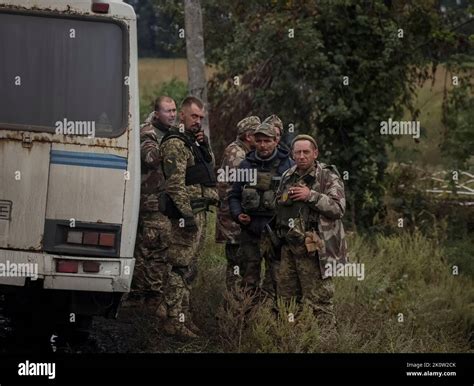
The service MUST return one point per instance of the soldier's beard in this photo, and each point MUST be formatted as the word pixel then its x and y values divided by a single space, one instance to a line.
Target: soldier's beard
pixel 195 129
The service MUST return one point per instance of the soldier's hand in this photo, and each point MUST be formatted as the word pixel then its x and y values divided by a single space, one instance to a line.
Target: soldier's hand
pixel 200 137
pixel 299 193
pixel 244 218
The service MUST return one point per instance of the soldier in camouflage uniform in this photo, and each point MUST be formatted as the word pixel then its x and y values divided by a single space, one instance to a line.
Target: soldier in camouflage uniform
pixel 227 230
pixel 188 166
pixel 309 207
pixel 153 227
pixel 277 124
pixel 253 204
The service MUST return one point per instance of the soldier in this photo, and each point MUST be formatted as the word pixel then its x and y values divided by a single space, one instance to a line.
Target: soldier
pixel 188 166
pixel 252 202
pixel 153 227
pixel 310 205
pixel 277 124
pixel 227 230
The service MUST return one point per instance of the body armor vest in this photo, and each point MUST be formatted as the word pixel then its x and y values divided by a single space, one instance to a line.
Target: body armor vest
pixel 202 172
pixel 259 199
pixel 294 218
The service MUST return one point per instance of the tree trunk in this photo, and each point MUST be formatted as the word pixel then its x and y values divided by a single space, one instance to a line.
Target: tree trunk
pixel 195 54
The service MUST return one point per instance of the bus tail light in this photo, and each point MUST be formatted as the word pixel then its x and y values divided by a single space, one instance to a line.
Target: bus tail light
pixel 74 237
pixel 84 239
pixel 100 7
pixel 67 266
pixel 91 266
pixel 107 240
pixel 103 239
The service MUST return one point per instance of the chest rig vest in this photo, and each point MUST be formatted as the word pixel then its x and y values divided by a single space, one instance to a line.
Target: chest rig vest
pixel 202 172
pixel 294 218
pixel 259 199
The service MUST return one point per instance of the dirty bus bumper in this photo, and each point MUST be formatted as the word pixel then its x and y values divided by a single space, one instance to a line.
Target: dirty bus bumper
pixel 78 289
pixel 113 274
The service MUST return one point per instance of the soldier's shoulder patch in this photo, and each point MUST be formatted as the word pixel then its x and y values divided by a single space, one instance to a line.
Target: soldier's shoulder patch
pixel 169 165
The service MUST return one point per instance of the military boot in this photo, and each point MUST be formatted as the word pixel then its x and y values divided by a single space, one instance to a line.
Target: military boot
pixel 174 327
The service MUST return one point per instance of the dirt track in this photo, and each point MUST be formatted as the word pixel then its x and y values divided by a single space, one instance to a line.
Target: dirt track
pixel 134 331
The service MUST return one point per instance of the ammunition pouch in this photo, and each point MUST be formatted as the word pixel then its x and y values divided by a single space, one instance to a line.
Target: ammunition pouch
pixel 250 199
pixel 264 180
pixel 268 200
pixel 168 207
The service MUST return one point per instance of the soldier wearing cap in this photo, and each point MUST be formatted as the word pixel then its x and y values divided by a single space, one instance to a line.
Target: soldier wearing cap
pixel 252 203
pixel 277 124
pixel 227 230
pixel 310 203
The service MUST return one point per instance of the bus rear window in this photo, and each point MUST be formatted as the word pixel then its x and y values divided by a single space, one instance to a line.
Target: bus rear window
pixel 62 74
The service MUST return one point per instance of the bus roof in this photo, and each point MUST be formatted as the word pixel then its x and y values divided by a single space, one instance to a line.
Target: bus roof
pixel 118 9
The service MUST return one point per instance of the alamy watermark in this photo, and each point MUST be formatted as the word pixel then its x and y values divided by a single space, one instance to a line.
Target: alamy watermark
pixel 28 368
pixel 85 128
pixel 335 269
pixel 400 128
pixel 229 174
pixel 10 269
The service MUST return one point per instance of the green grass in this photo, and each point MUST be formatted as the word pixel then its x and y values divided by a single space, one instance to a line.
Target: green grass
pixel 405 274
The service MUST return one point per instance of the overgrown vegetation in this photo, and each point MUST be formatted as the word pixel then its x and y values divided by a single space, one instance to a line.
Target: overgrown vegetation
pixel 409 301
pixel 174 88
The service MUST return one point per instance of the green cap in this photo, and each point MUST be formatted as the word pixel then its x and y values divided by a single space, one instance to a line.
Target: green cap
pixel 248 124
pixel 306 137
pixel 275 121
pixel 266 129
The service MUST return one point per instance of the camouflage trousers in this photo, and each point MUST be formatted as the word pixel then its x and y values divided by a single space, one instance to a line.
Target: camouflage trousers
pixel 183 255
pixel 250 263
pixel 299 276
pixel 151 269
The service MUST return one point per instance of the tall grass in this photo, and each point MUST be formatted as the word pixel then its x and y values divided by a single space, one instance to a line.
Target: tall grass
pixel 409 301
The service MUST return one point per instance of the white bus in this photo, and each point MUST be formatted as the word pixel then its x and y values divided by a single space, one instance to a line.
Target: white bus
pixel 69 153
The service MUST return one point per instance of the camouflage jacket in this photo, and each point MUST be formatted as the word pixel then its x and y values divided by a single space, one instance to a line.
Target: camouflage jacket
pixel 326 205
pixel 227 230
pixel 177 157
pixel 152 179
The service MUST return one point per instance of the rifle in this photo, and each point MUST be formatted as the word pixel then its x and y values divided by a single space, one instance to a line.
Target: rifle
pixel 270 243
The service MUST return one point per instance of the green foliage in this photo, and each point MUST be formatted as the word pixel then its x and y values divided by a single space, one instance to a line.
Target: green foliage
pixel 458 117
pixel 158 28
pixel 174 89
pixel 459 253
pixel 302 78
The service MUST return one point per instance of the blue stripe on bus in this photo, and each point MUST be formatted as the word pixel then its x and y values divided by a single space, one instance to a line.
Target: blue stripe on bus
pixel 93 160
